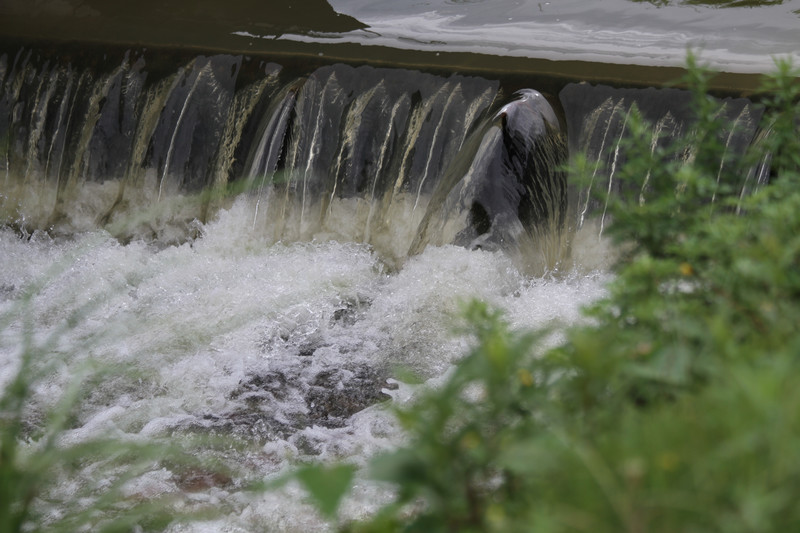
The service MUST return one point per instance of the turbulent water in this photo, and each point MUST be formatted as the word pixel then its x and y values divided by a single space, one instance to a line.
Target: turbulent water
pixel 285 349
pixel 226 239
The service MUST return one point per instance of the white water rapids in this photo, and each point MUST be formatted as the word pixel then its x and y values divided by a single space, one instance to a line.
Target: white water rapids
pixel 251 342
pixel 270 332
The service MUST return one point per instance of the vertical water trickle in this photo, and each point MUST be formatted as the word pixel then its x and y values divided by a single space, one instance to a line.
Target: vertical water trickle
pixel 192 122
pixel 243 127
pixel 595 132
pixel 399 109
pixel 315 136
pixel 262 162
pixel 364 129
pixel 429 136
pixel 741 134
pixel 596 119
pixel 759 174
pixel 36 142
pixel 112 139
pixel 55 154
pixel 4 119
pixel 226 166
pixel 149 106
pixel 444 135
pixel 664 128
pixel 82 123
pixel 118 141
pixel 175 137
pixel 14 117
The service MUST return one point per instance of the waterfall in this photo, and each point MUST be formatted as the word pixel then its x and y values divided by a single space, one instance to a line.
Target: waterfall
pixel 391 157
pixel 133 137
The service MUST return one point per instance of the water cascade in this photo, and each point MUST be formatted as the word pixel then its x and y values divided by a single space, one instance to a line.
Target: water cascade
pixel 83 147
pixel 394 158
pixel 262 244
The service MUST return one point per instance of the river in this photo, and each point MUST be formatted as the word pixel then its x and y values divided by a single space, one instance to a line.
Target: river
pixel 287 344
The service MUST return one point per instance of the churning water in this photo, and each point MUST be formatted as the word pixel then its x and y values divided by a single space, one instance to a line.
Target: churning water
pixel 283 349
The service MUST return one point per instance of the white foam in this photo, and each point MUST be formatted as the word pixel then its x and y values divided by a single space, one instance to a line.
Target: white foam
pixel 179 330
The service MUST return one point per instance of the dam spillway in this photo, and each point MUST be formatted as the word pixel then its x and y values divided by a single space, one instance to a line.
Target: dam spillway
pixel 92 143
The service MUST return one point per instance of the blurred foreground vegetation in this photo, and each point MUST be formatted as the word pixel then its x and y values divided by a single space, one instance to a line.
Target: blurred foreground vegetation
pixel 677 409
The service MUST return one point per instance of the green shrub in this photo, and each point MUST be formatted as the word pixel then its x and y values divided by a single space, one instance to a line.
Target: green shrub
pixel 676 409
pixel 701 285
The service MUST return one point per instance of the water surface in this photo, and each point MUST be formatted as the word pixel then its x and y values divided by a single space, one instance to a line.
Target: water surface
pixel 612 31
pixel 735 39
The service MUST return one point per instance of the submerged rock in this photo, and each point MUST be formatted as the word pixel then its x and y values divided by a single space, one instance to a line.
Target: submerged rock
pixel 275 405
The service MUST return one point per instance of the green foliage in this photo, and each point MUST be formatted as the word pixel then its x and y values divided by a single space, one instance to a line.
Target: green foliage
pixel 461 434
pixel 701 284
pixel 782 94
pixel 676 409
pixel 326 485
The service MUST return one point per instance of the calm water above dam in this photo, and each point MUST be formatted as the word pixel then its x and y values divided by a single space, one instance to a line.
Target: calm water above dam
pixel 495 35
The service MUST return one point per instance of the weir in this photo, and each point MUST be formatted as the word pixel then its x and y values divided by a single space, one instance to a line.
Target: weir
pixel 295 143
pixel 144 142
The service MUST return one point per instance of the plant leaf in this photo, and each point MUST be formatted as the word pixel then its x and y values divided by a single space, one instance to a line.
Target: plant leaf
pixel 326 485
